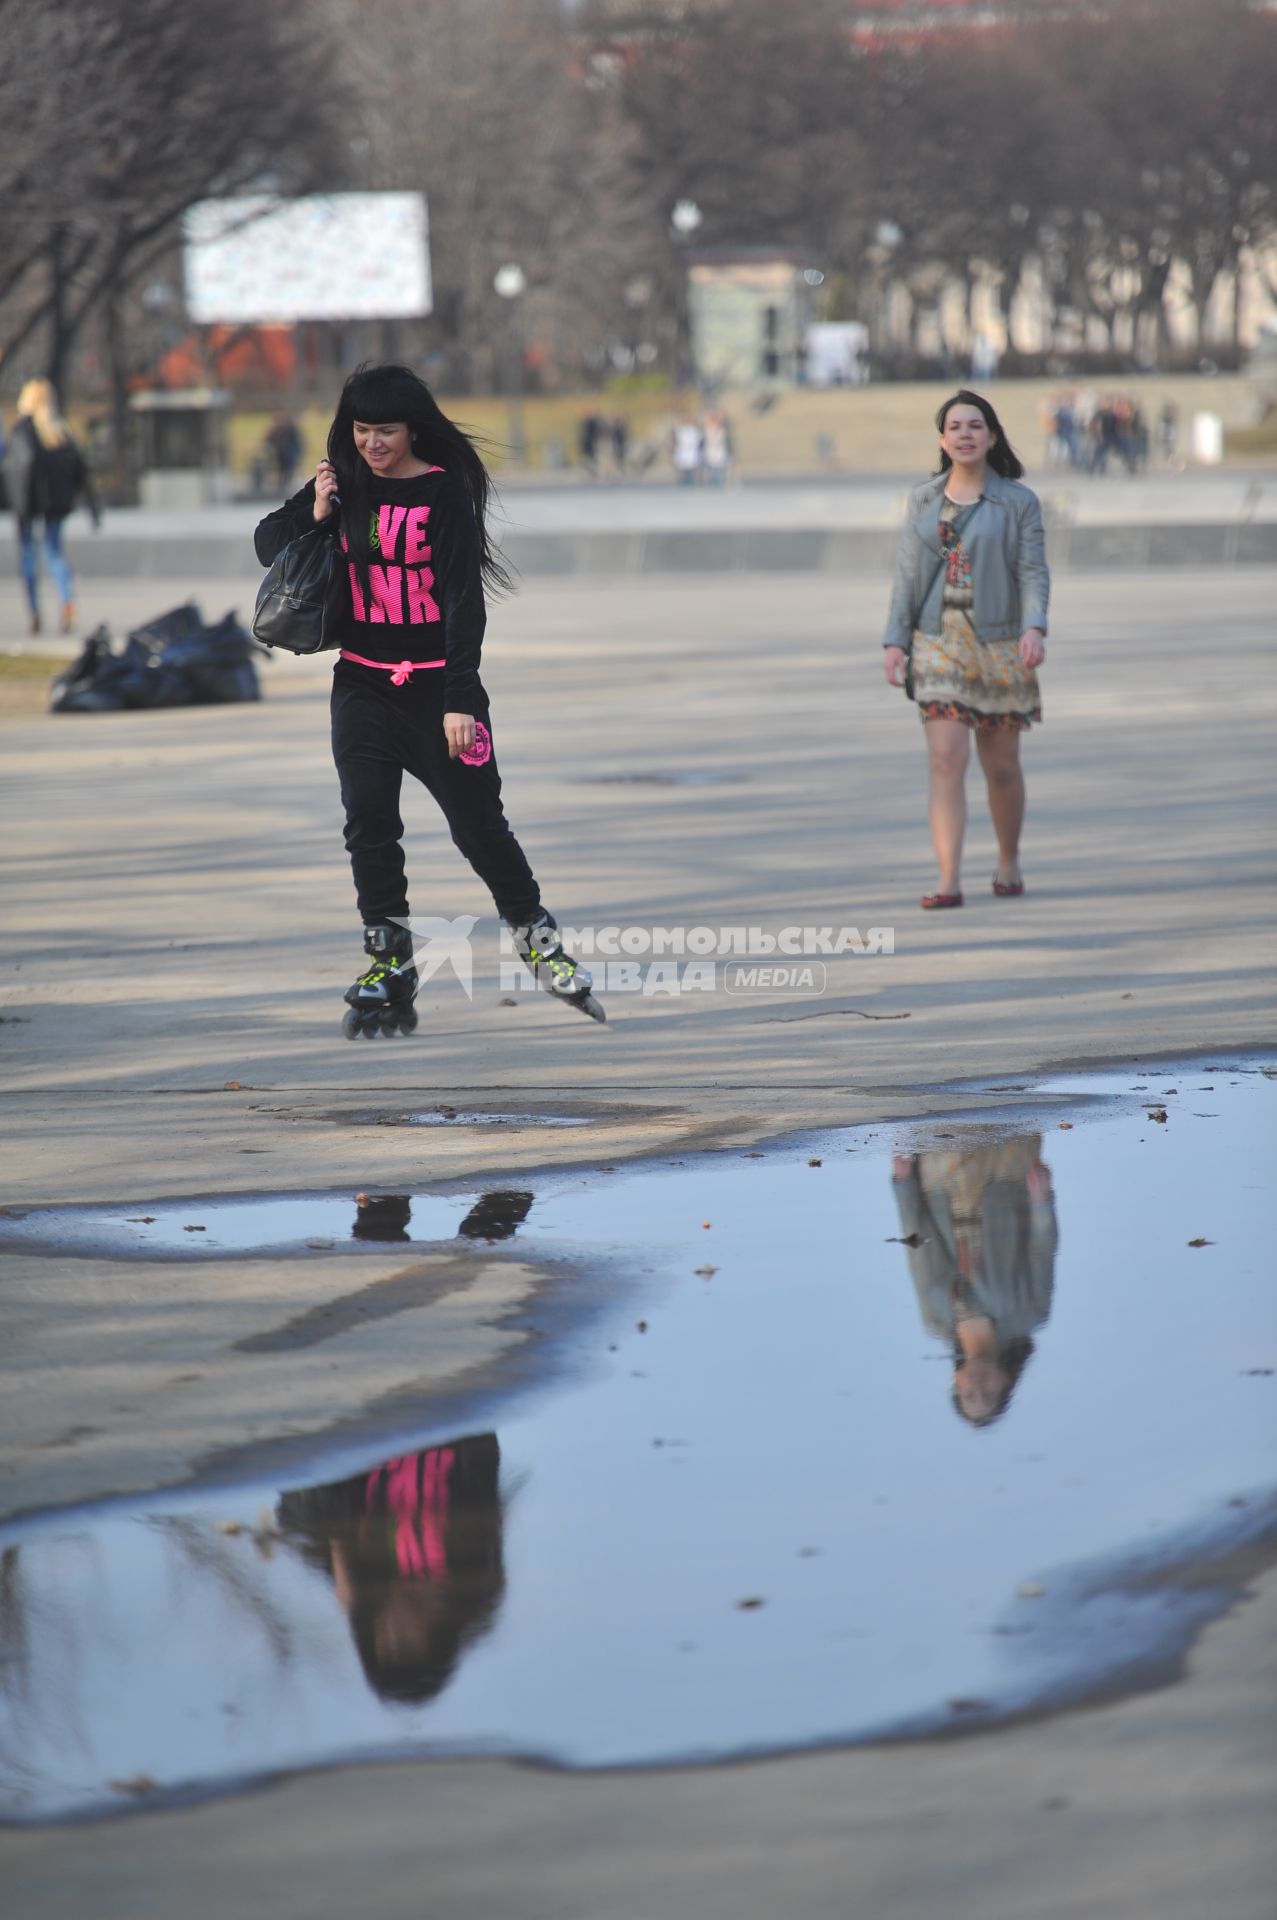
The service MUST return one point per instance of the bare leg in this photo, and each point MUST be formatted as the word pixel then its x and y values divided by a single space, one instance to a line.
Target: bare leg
pixel 1000 758
pixel 948 750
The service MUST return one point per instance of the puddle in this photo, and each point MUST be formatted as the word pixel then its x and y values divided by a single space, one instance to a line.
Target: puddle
pixel 450 1117
pixel 278 1224
pixel 874 1444
pixel 459 1117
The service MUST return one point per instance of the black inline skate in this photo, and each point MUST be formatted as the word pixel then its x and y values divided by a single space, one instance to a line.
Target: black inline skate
pixel 540 948
pixel 381 999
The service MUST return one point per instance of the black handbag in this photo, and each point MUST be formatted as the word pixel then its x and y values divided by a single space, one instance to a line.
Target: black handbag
pixel 301 601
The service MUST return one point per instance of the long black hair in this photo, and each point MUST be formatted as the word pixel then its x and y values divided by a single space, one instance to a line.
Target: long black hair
pixel 1003 457
pixel 377 396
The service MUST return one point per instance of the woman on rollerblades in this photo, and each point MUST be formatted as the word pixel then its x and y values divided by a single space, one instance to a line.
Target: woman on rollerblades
pixel 411 493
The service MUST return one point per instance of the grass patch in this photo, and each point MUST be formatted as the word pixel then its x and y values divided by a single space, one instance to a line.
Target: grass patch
pixel 33 666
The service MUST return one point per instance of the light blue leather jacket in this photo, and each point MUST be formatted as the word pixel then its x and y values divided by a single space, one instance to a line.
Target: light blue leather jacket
pixel 1009 576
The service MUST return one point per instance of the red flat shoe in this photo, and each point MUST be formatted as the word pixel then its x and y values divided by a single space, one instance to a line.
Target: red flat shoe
pixel 1007 889
pixel 930 901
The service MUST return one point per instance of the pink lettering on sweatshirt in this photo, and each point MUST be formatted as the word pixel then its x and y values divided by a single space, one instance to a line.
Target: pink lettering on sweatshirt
pixel 415 549
pixel 422 606
pixel 389 521
pixel 356 593
pixel 387 595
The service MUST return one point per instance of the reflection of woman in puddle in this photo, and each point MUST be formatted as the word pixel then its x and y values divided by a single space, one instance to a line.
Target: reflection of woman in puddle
pixel 413 1548
pixel 983 1261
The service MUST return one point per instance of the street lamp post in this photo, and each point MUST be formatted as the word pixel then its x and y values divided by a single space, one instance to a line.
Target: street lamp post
pixel 510 282
pixel 685 219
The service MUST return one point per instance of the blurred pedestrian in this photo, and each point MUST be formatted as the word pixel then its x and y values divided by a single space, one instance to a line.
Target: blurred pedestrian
pixel 1168 431
pixel 45 476
pixel 411 490
pixel 687 448
pixel 284 444
pixel 620 432
pixel 588 434
pixel 967 631
pixel 718 448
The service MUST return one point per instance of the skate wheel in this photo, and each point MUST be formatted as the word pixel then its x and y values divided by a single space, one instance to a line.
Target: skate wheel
pixel 350 1024
pixel 588 1004
pixel 408 1020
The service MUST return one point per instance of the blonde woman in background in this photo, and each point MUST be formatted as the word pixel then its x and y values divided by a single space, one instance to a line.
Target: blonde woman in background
pixel 46 475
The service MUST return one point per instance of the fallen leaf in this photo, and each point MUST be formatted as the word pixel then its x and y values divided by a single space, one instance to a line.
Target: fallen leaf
pixel 815 1163
pixel 319 1244
pixel 642 1326
pixel 707 1273
pixel 1066 1126
pixel 507 1003
pixel 968 1706
pixel 705 1223
pixel 1199 1242
pixel 232 1086
pixel 139 1784
pixel 1030 1590
pixel 230 1527
pixel 750 1604
pixel 140 1220
pixel 1126 996
pixel 1257 1373
pixel 906 1240
pixel 194 1229
pixel 1158 1114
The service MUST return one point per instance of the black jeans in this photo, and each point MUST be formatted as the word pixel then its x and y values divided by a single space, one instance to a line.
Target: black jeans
pixel 380 733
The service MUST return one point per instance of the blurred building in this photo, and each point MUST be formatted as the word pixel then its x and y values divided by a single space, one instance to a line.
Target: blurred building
pixel 749 309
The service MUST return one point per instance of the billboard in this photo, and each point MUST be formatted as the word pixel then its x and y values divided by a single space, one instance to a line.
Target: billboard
pixel 330 256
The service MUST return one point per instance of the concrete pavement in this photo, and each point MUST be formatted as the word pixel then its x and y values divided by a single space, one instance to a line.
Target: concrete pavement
pixel 179 918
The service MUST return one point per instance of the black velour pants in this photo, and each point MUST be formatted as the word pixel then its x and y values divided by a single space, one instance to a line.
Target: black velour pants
pixel 381 732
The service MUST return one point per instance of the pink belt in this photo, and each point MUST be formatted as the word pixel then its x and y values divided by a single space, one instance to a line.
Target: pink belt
pixel 398 674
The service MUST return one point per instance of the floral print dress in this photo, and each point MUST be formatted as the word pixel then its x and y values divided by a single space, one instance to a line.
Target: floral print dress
pixel 983 683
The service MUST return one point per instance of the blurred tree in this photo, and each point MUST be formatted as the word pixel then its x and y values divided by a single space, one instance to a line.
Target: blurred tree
pixel 493 110
pixel 117 115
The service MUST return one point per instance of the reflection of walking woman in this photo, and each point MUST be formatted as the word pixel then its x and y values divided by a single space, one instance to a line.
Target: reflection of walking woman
pixel 981 1234
pixel 45 474
pixel 966 630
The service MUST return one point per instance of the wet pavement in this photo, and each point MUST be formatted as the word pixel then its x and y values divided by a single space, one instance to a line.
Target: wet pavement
pixel 887 1432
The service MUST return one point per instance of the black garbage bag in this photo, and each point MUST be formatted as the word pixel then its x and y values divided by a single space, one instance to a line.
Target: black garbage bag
pixel 208 667
pixel 84 686
pixel 172 661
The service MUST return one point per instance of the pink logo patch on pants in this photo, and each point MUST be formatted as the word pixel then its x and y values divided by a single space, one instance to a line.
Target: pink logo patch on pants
pixel 481 752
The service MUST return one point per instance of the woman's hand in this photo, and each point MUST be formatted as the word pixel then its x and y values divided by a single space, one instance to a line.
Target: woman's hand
pixel 894 660
pixel 325 488
pixel 1033 646
pixel 459 731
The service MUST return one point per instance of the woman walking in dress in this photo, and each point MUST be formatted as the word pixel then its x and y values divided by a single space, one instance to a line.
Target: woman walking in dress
pixel 967 631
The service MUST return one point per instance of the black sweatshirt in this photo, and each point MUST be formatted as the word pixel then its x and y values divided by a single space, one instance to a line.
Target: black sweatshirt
pixel 426 589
